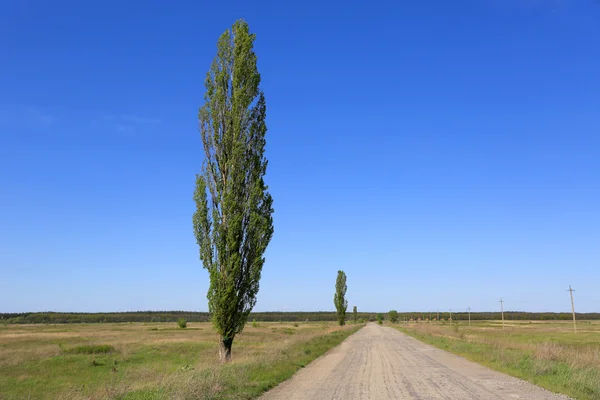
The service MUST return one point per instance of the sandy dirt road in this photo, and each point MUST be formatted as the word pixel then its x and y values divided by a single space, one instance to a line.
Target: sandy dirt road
pixel 378 363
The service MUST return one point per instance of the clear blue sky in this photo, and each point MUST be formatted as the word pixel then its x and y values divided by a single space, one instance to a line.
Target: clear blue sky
pixel 442 153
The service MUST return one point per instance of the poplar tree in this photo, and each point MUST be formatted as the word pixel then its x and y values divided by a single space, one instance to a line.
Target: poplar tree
pixel 233 221
pixel 339 299
pixel 354 314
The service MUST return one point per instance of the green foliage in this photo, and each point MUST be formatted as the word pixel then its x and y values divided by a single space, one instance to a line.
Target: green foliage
pixel 182 323
pixel 254 323
pixel 339 299
pixel 90 349
pixel 233 222
pixel 393 314
pixel 380 319
pixel 354 314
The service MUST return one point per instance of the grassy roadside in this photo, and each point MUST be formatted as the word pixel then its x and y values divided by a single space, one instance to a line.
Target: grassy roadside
pixel 542 354
pixel 247 380
pixel 155 361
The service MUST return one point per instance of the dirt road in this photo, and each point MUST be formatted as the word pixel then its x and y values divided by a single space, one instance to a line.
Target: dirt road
pixel 378 363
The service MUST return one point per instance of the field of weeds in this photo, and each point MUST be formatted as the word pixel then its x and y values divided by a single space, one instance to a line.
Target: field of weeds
pixel 154 360
pixel 548 354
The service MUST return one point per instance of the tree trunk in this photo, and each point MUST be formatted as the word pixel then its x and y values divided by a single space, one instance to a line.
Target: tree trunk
pixel 225 350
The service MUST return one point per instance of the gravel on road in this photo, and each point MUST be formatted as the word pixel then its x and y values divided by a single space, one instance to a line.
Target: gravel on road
pixel 379 363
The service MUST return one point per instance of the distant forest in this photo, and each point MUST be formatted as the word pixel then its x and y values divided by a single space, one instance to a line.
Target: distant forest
pixel 275 316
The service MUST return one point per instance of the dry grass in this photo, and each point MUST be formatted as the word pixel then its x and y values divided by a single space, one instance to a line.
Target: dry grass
pixel 545 341
pixel 155 360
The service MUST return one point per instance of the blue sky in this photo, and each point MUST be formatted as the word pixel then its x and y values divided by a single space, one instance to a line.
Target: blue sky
pixel 444 154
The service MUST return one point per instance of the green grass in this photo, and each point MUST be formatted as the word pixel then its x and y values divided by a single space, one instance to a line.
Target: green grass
pixel 131 361
pixel 548 355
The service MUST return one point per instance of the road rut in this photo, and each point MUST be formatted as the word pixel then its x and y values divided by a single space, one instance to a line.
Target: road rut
pixel 379 363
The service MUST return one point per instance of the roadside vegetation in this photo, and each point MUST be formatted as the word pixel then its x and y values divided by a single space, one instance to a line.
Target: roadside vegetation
pixel 339 298
pixel 549 355
pixel 233 222
pixel 155 361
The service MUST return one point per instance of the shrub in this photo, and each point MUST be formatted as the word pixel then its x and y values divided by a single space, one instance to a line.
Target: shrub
pixel 254 323
pixel 380 319
pixel 182 323
pixel 91 349
pixel 393 316
pixel 295 324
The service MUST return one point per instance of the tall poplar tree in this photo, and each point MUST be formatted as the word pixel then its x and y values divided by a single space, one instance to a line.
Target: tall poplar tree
pixel 233 221
pixel 339 299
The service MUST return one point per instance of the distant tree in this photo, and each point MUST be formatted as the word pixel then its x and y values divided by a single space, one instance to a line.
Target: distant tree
pixel 233 222
pixel 393 316
pixel 339 299
pixel 182 323
pixel 354 314
pixel 380 319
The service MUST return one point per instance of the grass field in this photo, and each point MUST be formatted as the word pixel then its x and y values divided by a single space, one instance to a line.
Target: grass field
pixel 155 360
pixel 547 354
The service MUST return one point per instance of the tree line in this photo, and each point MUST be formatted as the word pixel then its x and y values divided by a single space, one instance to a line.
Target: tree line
pixel 274 316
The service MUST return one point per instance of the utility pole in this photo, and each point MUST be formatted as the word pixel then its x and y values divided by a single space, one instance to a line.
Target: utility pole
pixel 469 311
pixel 573 309
pixel 450 314
pixel 502 310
